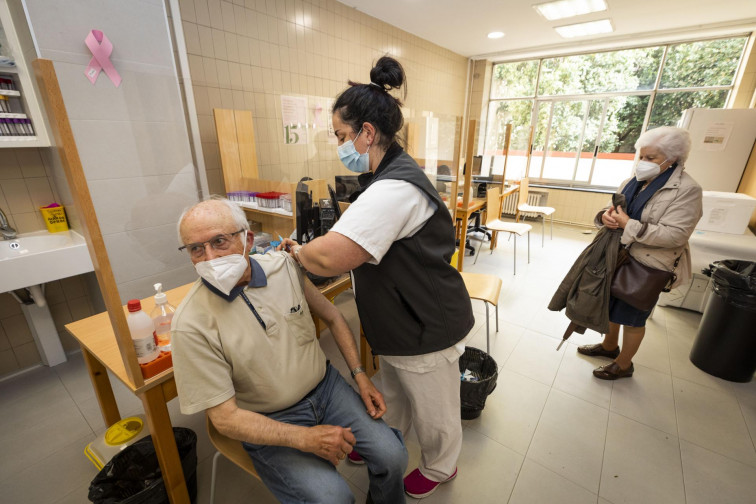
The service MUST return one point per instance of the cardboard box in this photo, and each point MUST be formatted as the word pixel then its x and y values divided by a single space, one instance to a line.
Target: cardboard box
pixel 725 212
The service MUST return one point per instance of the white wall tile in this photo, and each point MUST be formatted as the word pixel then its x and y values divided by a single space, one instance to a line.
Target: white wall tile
pixel 192 39
pixel 9 167
pixel 131 204
pixel 117 149
pixel 134 32
pixel 219 44
pixel 205 34
pixel 202 12
pixel 30 162
pixel 16 196
pixel 186 8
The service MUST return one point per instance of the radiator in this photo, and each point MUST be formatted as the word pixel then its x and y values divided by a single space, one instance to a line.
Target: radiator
pixel 509 206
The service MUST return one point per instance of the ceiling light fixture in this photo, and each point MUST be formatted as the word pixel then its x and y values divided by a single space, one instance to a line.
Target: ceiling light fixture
pixel 495 35
pixel 569 8
pixel 585 29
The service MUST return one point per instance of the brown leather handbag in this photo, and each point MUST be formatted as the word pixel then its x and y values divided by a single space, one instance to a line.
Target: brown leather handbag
pixel 639 285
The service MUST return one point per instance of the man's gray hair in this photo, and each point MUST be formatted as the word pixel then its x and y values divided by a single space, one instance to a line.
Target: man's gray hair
pixel 237 214
pixel 673 142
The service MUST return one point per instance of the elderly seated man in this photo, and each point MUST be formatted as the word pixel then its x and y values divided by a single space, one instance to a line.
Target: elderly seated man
pixel 245 351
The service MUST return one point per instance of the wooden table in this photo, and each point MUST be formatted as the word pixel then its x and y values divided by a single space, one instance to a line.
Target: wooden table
pixel 100 350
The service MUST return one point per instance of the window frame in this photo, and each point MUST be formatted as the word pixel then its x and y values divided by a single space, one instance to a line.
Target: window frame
pixel 537 100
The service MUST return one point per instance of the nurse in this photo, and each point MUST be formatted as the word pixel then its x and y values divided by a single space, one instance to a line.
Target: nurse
pixel 397 238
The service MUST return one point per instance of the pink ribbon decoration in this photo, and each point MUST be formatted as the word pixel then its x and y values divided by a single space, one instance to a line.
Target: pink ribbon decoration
pixel 101 48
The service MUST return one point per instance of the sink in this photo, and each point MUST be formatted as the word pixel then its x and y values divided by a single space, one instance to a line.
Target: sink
pixel 31 244
pixel 41 257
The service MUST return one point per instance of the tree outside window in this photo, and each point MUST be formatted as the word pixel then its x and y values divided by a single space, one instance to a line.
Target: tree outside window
pixel 586 111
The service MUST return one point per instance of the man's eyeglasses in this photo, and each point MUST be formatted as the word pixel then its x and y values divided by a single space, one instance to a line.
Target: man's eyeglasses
pixel 219 242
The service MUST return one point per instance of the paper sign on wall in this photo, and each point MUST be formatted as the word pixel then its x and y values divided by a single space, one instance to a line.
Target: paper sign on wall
pixel 294 117
pixel 321 123
pixel 716 136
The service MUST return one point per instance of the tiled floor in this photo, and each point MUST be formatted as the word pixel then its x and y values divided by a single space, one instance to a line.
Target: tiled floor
pixel 550 432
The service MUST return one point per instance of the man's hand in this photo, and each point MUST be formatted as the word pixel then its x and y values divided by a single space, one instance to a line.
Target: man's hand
pixel 373 399
pixel 330 442
pixel 609 220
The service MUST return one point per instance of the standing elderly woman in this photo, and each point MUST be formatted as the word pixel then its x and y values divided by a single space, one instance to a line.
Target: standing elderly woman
pixel 397 238
pixel 663 207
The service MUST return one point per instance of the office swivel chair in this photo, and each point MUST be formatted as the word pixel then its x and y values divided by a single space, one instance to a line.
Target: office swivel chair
pixel 477 226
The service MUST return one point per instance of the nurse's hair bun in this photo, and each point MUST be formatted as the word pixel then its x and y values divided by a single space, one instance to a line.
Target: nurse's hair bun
pixel 387 73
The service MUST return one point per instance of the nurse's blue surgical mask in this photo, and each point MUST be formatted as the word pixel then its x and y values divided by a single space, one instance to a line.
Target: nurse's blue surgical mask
pixel 353 160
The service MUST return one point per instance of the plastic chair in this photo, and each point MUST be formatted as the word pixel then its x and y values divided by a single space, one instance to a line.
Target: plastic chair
pixel 232 450
pixel 543 211
pixel 486 288
pixel 493 223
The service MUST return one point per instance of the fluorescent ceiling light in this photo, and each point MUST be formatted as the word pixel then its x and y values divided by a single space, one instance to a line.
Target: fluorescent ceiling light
pixel 569 8
pixel 584 29
pixel 495 35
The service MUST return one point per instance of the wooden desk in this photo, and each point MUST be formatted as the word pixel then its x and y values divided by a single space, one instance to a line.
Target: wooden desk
pixel 100 350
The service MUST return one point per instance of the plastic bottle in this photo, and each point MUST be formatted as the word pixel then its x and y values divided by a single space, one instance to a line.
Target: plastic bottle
pixel 142 329
pixel 162 315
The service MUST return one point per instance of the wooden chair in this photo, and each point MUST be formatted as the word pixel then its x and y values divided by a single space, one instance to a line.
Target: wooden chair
pixel 486 288
pixel 232 450
pixel 493 223
pixel 543 211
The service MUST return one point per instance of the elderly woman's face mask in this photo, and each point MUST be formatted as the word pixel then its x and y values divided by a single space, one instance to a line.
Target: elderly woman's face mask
pixel 648 167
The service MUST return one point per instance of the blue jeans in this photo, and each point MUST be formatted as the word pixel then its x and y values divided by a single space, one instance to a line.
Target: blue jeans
pixel 296 477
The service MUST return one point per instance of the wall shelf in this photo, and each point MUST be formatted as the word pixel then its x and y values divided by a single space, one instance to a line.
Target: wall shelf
pixel 25 140
pixel 276 212
pixel 22 101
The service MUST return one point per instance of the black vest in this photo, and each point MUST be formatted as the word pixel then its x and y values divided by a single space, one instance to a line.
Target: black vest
pixel 413 302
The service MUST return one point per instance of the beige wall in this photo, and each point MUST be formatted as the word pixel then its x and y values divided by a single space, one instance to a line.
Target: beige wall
pixel 246 54
pixel 26 183
pixel 575 207
pixel 69 299
pixel 746 97
pixel 479 93
pixel 748 184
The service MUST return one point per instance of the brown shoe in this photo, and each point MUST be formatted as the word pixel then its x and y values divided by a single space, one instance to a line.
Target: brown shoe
pixel 612 371
pixel 598 351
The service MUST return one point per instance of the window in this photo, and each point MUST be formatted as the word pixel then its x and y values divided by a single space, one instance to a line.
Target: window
pixel 580 115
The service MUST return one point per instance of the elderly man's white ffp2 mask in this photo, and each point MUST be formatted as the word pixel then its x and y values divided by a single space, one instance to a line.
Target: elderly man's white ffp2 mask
pixel 224 273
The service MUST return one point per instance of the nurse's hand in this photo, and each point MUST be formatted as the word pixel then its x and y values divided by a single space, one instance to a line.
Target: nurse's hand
pixel 330 442
pixel 373 399
pixel 287 244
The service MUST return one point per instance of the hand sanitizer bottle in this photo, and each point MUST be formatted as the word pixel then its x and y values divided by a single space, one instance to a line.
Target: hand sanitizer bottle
pixel 142 333
pixel 162 315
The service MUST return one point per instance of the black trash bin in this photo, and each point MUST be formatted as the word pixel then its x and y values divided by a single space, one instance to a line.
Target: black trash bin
pixel 726 342
pixel 484 373
pixel 133 476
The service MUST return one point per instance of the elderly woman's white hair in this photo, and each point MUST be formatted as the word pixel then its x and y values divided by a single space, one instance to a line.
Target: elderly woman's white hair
pixel 673 142
pixel 237 214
